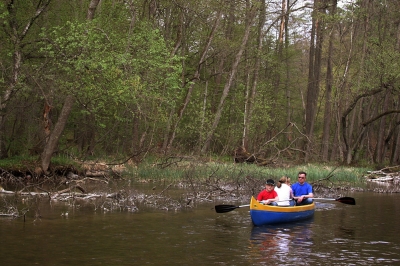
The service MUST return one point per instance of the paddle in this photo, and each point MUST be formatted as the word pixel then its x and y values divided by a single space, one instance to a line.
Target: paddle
pixel 345 200
pixel 228 208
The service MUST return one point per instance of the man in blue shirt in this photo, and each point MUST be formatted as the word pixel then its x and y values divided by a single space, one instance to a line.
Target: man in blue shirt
pixel 302 191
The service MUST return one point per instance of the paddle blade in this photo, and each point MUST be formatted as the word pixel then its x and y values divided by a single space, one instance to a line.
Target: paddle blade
pixel 347 200
pixel 225 208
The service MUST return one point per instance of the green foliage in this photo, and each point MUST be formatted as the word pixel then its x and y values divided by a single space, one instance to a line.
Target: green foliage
pixel 3 11
pixel 113 77
pixel 382 63
pixel 128 86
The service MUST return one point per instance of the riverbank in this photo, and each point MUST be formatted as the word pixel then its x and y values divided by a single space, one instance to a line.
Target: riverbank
pixel 175 183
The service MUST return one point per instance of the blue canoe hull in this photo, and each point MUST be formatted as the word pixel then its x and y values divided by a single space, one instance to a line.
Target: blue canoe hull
pixel 266 214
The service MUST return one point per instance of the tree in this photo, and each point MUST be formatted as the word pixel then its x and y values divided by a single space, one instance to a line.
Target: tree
pixel 329 84
pixel 114 79
pixel 18 18
pixel 196 77
pixel 251 91
pixel 377 79
pixel 131 77
pixel 52 142
pixel 313 88
pixel 232 74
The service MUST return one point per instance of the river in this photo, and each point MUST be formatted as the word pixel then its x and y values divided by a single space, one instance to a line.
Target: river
pixel 338 234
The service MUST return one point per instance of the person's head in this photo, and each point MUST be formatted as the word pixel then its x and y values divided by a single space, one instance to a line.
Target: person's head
pixel 302 177
pixel 283 180
pixel 269 185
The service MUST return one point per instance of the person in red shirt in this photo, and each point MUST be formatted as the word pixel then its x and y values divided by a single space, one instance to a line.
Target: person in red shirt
pixel 268 195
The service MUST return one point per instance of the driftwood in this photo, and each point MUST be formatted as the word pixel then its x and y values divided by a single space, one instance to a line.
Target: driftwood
pixel 53 195
pixel 96 174
pixel 243 156
pixel 8 215
pixel 388 174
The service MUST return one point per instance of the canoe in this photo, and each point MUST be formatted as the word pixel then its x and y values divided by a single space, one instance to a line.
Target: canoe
pixel 267 214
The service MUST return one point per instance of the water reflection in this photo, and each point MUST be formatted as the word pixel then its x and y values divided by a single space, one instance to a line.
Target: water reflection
pixel 281 244
pixel 346 232
pixel 338 234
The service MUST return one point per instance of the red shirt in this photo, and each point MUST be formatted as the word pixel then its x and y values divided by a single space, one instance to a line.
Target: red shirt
pixel 264 195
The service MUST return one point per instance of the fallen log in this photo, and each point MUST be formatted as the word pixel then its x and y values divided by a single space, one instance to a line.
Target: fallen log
pixel 95 174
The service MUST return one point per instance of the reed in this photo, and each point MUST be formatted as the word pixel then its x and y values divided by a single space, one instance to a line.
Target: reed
pixel 194 169
pixel 319 174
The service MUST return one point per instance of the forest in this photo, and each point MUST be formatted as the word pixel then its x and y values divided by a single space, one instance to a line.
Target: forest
pixel 302 81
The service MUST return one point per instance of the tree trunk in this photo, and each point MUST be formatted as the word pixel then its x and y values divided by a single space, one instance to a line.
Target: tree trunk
pixel 338 148
pixel 329 83
pixel 279 49
pixel 287 88
pixel 203 117
pixel 52 142
pixel 251 93
pixel 246 114
pixel 395 156
pixel 379 148
pixel 229 82
pixel 393 138
pixel 317 36
pixel 92 9
pixel 344 125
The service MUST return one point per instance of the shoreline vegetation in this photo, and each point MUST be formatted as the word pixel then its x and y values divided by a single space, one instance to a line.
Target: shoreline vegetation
pixel 170 183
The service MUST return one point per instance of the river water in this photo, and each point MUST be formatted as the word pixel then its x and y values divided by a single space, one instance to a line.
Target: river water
pixel 338 234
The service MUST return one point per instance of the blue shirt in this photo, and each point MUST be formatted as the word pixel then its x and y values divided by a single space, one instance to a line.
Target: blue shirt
pixel 300 190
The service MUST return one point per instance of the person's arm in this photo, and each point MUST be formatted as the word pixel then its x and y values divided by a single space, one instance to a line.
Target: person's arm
pixel 276 196
pixel 268 201
pixel 274 199
pixel 310 193
pixel 303 197
pixel 293 187
pixel 260 196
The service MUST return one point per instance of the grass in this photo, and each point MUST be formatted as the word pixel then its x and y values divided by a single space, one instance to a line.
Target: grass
pixel 26 163
pixel 177 169
pixel 316 173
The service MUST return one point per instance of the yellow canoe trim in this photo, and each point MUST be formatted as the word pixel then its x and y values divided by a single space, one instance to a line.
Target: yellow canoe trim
pixel 255 205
